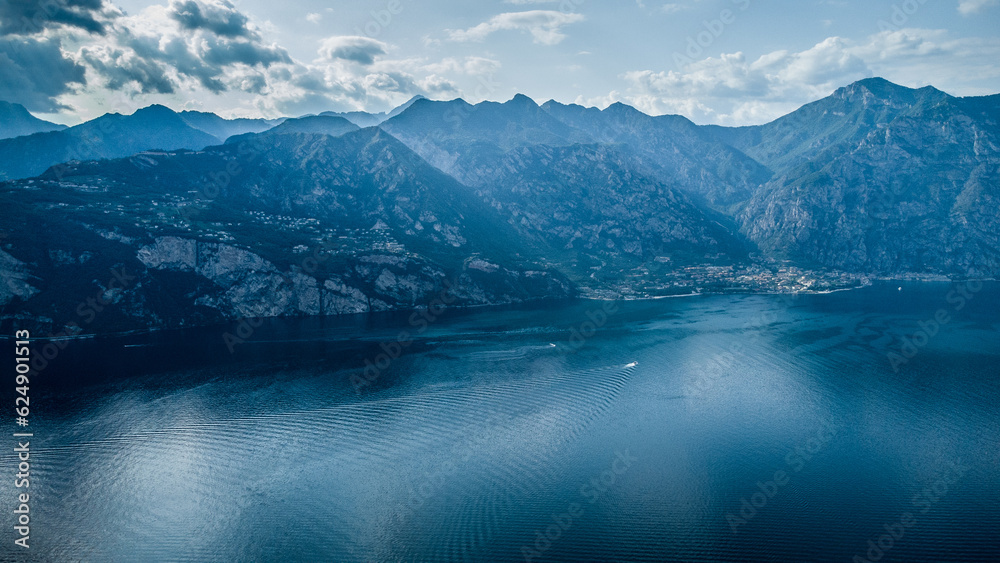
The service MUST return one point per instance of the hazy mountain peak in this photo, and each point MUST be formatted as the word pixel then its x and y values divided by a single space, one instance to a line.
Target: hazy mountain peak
pixel 155 110
pixel 521 100
pixel 316 124
pixel 405 106
pixel 16 121
pixel 877 89
pixel 622 108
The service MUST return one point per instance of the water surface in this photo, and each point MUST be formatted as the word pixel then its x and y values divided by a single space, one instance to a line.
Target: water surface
pixel 719 428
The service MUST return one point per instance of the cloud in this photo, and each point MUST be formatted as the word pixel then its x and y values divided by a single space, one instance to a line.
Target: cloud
pixel 361 50
pixel 218 16
pixel 29 17
pixel 435 84
pixel 91 57
pixel 164 47
pixel 733 89
pixel 969 7
pixel 470 66
pixel 545 26
pixel 121 67
pixel 674 8
pixel 21 81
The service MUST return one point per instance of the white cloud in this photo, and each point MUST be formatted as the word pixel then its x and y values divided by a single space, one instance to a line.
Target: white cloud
pixel 314 17
pixel 674 8
pixel 545 26
pixel 471 66
pixel 362 50
pixel 733 89
pixel 968 7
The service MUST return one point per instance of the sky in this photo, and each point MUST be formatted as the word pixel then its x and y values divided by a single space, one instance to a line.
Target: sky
pixel 730 62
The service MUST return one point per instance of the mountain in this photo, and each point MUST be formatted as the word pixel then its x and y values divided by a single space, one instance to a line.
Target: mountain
pixel 501 202
pixel 293 224
pixel 365 119
pixel 600 220
pixel 847 116
pixel 310 125
pixel 109 136
pixel 221 128
pixel 881 179
pixel 15 121
pixel 442 132
pixel 317 124
pixel 672 149
pixel 613 191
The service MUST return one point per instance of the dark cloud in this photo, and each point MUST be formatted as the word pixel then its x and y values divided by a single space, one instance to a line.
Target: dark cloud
pixel 205 61
pixel 362 50
pixel 122 67
pixel 34 72
pixel 28 17
pixel 253 83
pixel 223 53
pixel 220 17
pixel 176 53
pixel 391 82
pixel 155 61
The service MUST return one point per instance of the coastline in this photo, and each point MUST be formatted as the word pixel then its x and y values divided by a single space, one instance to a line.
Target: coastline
pixel 581 298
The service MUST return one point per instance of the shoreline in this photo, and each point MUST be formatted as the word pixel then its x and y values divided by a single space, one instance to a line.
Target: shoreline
pixel 149 331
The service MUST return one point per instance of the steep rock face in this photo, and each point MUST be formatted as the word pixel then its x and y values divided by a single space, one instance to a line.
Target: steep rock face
pixel 842 120
pixel 14 279
pixel 298 225
pixel 914 193
pixel 249 286
pixel 522 202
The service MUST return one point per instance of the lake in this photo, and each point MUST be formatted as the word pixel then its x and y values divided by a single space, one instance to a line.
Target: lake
pixel 853 426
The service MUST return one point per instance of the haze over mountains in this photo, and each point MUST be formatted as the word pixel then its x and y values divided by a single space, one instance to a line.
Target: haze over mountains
pixel 503 202
pixel 15 121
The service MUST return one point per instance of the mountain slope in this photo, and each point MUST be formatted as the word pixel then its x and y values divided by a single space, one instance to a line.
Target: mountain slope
pixel 322 125
pixel 364 119
pixel 598 217
pixel 15 121
pixel 293 224
pixel 221 128
pixel 896 181
pixel 441 132
pixel 672 149
pixel 846 117
pixel 109 136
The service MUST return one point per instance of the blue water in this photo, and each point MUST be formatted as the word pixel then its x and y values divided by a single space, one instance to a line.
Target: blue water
pixel 718 428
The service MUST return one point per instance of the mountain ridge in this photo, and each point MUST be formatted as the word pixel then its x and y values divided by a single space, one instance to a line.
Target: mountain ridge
pixel 511 201
pixel 17 121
